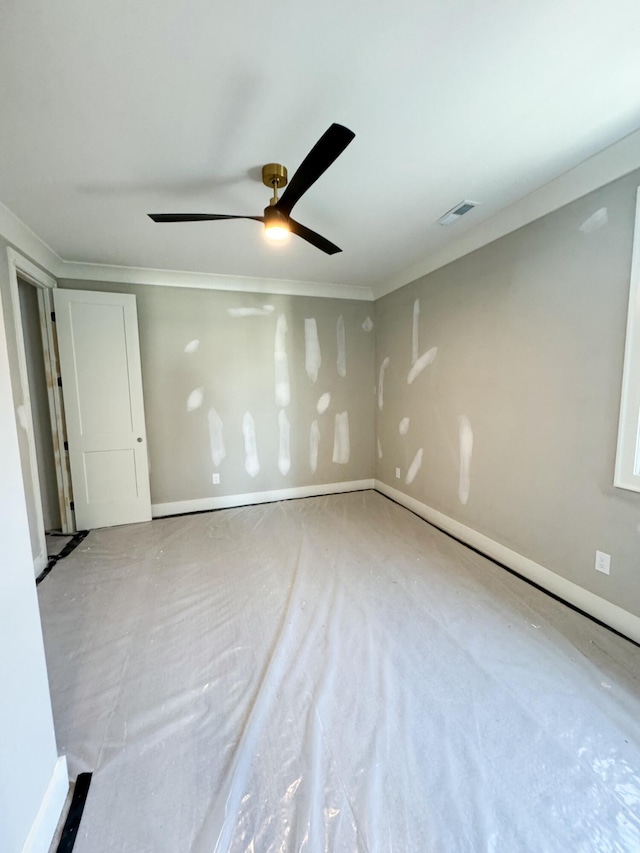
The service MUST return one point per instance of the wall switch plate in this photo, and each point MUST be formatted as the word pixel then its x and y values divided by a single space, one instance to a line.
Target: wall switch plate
pixel 603 562
pixel 397 473
pixel 216 479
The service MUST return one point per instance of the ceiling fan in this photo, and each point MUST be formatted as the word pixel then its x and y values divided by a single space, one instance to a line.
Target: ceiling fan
pixel 277 220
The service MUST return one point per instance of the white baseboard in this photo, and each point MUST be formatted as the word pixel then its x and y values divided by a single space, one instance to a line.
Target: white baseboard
pixel 621 620
pixel 44 826
pixel 39 564
pixel 228 501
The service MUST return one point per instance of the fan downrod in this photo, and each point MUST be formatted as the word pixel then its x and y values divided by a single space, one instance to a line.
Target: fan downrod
pixel 274 175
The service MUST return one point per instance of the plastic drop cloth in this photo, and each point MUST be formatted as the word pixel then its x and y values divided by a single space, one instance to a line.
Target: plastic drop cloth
pixel 333 674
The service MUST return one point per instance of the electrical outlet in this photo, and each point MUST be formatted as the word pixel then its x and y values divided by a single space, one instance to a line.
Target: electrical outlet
pixel 603 562
pixel 216 479
pixel 397 473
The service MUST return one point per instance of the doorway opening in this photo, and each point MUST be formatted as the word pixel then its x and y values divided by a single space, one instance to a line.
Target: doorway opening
pixel 40 412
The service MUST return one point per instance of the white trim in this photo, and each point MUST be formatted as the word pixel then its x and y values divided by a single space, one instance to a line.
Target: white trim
pixel 44 826
pixel 45 285
pixel 621 620
pixel 211 281
pixel 40 563
pixel 15 231
pixel 627 474
pixel 608 165
pixel 227 501
pixel 33 274
pixel 56 410
pixel 28 270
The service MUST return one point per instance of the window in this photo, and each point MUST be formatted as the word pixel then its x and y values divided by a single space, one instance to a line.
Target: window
pixel 627 474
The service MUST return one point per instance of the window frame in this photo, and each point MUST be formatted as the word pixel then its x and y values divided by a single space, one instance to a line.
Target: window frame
pixel 627 471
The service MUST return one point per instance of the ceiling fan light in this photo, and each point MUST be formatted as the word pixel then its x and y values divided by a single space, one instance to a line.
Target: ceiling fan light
pixel 276 232
pixel 276 226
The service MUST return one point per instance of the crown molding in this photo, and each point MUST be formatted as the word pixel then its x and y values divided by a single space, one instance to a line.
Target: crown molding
pixel 211 281
pixel 607 165
pixel 19 235
pixel 27 242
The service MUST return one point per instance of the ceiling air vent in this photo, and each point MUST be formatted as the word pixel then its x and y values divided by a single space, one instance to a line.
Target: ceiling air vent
pixel 456 212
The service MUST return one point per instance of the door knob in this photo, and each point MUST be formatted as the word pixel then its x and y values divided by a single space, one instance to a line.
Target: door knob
pixel 139 439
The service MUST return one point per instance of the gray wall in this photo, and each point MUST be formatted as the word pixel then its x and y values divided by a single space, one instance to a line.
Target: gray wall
pixel 234 365
pixel 530 336
pixel 34 356
pixel 530 333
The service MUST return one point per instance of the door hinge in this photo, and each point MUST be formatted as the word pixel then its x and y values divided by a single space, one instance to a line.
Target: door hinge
pixel 71 506
pixel 59 382
pixel 53 316
pixel 66 446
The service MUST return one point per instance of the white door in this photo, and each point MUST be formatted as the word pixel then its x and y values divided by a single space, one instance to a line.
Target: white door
pixel 102 392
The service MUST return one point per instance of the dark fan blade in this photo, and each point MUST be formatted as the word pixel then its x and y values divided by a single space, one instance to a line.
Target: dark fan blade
pixel 311 237
pixel 196 217
pixel 327 149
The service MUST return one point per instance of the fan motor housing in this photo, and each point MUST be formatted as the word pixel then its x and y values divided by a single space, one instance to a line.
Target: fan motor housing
pixel 275 218
pixel 274 174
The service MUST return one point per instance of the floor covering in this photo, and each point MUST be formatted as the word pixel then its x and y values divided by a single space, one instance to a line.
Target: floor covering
pixel 56 542
pixel 333 674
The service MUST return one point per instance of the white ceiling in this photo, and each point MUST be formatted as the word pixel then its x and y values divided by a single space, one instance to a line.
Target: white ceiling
pixel 113 109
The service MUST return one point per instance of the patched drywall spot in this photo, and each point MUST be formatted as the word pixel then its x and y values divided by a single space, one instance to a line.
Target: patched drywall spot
pixel 195 398
pixel 281 363
pixel 284 456
pixel 415 341
pixel 424 360
pixel 368 324
pixel 341 445
pixel 342 350
pixel 192 346
pixel 251 462
pixel 22 416
pixel 216 437
pixel 323 403
pixel 597 220
pixel 466 449
pixel 403 426
pixel 312 356
pixel 383 367
pixel 314 444
pixel 379 449
pixel 416 462
pixel 265 311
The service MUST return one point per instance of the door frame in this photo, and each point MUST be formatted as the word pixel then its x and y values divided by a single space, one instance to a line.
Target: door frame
pixel 45 284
